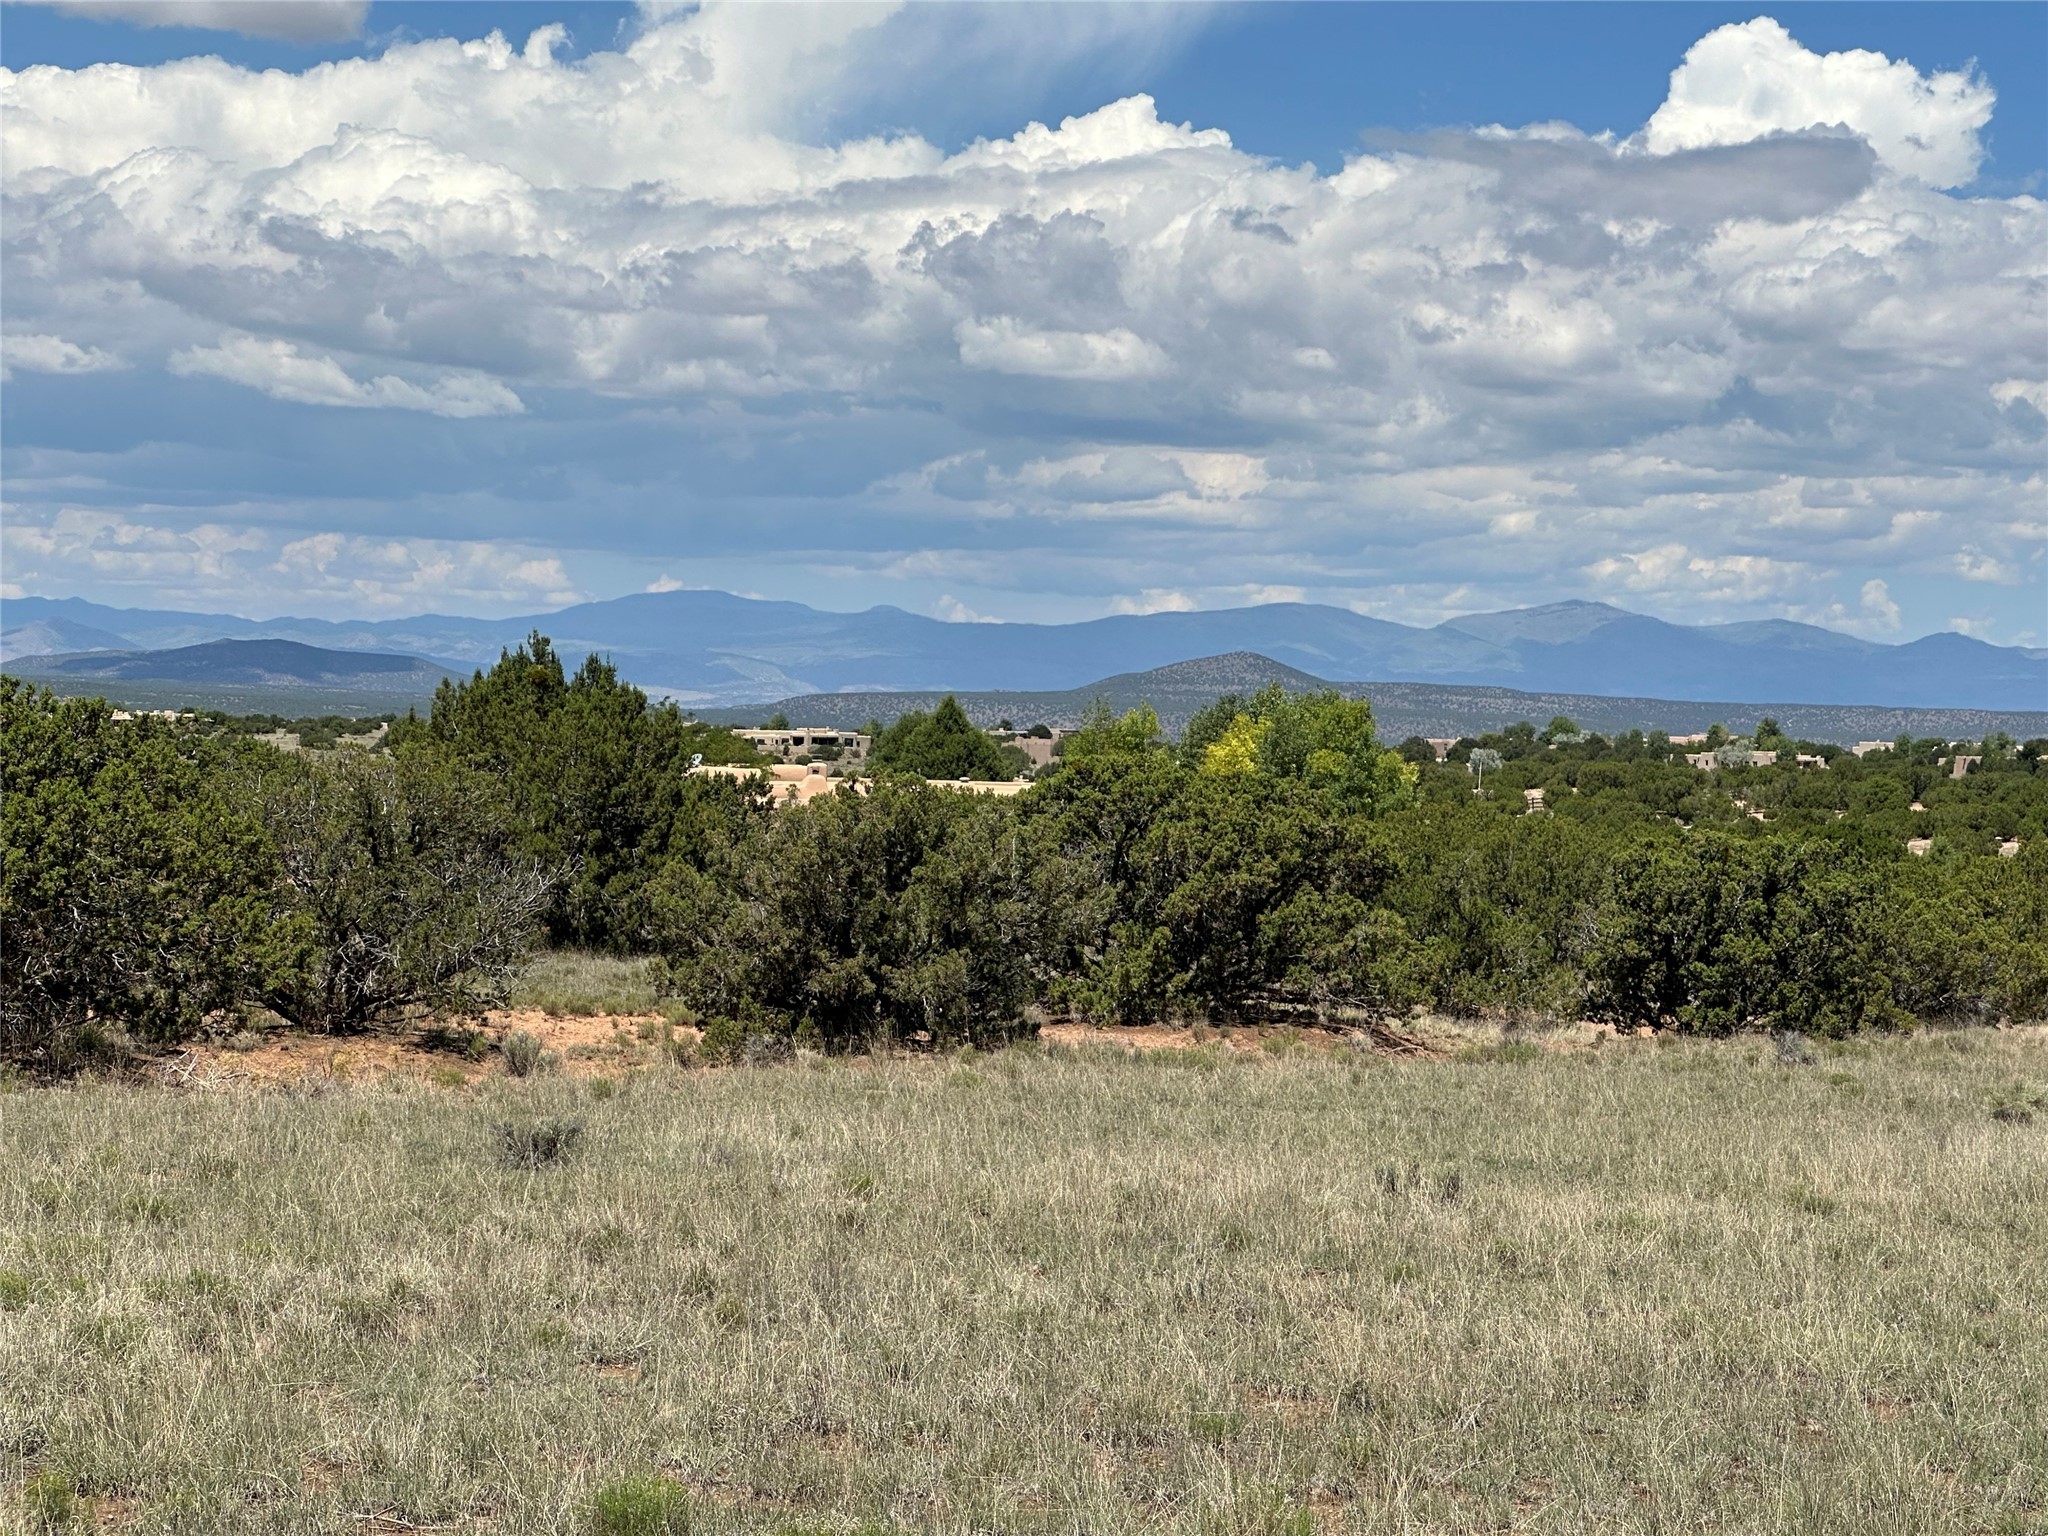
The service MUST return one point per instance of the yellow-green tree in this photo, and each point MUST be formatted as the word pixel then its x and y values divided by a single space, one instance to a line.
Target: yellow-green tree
pixel 1321 739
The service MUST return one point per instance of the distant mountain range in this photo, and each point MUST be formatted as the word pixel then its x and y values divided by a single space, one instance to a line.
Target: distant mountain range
pixel 282 663
pixel 712 648
pixel 1401 710
pixel 285 677
pixel 240 676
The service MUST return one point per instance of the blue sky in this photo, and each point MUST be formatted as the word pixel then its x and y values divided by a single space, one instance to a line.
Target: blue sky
pixel 1711 311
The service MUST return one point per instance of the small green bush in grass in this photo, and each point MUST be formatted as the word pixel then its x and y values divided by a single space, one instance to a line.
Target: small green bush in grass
pixel 459 1039
pixel 52 1502
pixel 735 1042
pixel 2016 1104
pixel 13 1290
pixel 1791 1049
pixel 522 1052
pixel 764 1049
pixel 641 1506
pixel 541 1144
pixel 677 1049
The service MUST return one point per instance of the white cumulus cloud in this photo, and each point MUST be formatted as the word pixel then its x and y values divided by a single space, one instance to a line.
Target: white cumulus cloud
pixel 281 371
pixel 1005 346
pixel 400 575
pixel 52 354
pixel 1879 608
pixel 1744 81
pixel 218 564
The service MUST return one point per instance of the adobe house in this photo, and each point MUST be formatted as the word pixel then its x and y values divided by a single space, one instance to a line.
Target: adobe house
pixel 784 784
pixel 1706 761
pixel 849 747
pixel 1039 751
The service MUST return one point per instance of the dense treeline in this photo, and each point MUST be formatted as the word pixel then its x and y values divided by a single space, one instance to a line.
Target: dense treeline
pixel 1276 862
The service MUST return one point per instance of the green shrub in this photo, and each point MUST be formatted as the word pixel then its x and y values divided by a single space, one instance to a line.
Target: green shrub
pixel 2017 1104
pixel 1791 1049
pixel 136 885
pixel 641 1506
pixel 1717 934
pixel 736 1043
pixel 722 1039
pixel 406 875
pixel 539 1144
pixel 904 914
pixel 52 1502
pixel 522 1052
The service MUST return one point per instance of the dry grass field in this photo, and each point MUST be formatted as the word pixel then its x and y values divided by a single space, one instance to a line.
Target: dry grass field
pixel 1646 1287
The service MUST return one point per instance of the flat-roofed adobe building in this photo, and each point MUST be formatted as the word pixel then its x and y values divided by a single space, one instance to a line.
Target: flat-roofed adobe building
pixel 1040 751
pixel 785 784
pixel 784 746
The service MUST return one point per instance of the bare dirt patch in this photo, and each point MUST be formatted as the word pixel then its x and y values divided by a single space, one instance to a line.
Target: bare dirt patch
pixel 459 1053
pixel 1245 1039
pixel 443 1054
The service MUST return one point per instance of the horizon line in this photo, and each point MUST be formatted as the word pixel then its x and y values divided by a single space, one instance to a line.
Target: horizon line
pixel 1573 602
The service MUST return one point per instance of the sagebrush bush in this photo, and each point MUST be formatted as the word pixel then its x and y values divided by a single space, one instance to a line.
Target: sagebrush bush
pixel 2017 1104
pixel 736 1042
pixel 538 1144
pixel 1791 1049
pixel 763 1049
pixel 522 1052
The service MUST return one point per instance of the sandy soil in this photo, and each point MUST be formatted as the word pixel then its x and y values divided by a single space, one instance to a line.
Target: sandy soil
pixel 1241 1039
pixel 461 1053
pixel 448 1055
